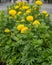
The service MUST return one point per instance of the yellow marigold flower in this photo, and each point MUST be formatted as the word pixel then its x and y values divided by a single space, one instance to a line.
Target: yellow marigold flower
pixel 28 11
pixel 25 7
pixel 44 12
pixel 12 12
pixel 7 30
pixel 19 13
pixel 38 3
pixel 20 27
pixel 16 7
pixel 24 29
pixel 36 22
pixel 29 18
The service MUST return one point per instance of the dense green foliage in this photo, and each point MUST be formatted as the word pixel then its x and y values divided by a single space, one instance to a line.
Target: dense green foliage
pixel 31 48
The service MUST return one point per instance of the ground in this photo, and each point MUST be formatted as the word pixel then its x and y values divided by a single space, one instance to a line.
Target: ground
pixel 48 7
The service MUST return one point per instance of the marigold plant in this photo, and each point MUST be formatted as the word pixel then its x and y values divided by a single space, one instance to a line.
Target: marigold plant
pixel 25 35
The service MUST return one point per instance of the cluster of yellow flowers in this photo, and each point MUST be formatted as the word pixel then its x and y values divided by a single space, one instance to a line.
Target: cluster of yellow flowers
pixel 45 13
pixel 25 13
pixel 22 28
pixel 25 7
pixel 36 23
pixel 16 7
pixel 38 2
pixel 7 30
pixel 12 12
pixel 29 18
pixel 28 11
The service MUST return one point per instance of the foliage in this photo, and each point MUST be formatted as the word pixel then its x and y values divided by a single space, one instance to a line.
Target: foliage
pixel 25 35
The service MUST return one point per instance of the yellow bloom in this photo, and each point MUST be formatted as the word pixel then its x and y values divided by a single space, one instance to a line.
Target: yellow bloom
pixel 44 12
pixel 24 29
pixel 36 22
pixel 20 27
pixel 29 18
pixel 25 7
pixel 12 12
pixel 7 30
pixel 19 13
pixel 38 3
pixel 28 11
pixel 16 7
